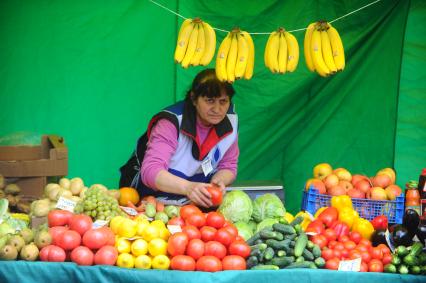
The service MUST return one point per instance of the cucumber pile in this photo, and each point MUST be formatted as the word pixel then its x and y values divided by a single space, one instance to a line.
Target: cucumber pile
pixel 283 245
pixel 411 260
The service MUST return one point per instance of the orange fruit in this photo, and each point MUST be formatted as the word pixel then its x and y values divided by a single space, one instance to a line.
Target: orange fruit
pixel 128 194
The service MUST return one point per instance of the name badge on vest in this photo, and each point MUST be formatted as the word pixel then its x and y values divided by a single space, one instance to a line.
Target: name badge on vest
pixel 207 166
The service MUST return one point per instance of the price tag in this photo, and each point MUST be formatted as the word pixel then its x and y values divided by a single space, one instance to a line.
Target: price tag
pixel 350 265
pixel 389 241
pixel 65 204
pixel 174 229
pixel 99 223
pixel 129 210
pixel 207 166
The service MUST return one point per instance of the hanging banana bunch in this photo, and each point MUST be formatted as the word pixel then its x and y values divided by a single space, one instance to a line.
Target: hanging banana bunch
pixel 235 57
pixel 281 52
pixel 323 49
pixel 196 43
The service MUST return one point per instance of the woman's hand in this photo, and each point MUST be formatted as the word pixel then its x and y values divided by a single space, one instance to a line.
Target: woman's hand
pixel 197 192
pixel 220 184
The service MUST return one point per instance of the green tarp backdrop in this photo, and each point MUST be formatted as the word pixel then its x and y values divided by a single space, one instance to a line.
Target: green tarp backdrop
pixel 96 71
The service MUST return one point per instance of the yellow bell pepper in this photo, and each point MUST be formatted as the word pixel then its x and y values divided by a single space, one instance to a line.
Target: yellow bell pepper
pixel 289 217
pixel 348 216
pixel 318 212
pixel 364 227
pixel 342 201
pixel 307 218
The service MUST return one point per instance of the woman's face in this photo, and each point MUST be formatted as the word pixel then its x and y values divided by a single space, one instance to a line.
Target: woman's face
pixel 211 111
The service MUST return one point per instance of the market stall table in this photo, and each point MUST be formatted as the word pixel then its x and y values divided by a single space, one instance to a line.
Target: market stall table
pixel 22 271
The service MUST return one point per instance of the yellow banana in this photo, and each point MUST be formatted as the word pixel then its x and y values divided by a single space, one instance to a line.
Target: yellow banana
pixel 192 45
pixel 282 53
pixel 199 50
pixel 221 58
pixel 307 47
pixel 232 58
pixel 337 47
pixel 242 56
pixel 293 51
pixel 210 45
pixel 327 54
pixel 250 59
pixel 272 54
pixel 316 52
pixel 266 54
pixel 183 38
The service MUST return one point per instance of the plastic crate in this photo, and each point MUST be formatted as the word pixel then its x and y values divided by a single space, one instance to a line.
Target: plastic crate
pixel 367 208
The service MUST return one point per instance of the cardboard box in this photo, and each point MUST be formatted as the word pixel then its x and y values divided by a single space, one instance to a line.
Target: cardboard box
pixel 32 167
pixel 257 188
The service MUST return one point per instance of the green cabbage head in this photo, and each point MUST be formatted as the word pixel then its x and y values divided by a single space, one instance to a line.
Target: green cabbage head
pixel 236 206
pixel 267 206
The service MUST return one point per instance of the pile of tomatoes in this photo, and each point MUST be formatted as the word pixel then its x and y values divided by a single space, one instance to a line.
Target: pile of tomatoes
pixel 207 243
pixel 351 246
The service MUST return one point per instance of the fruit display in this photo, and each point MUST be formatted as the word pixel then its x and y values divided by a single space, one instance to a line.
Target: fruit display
pixel 281 52
pixel 235 57
pixel 196 43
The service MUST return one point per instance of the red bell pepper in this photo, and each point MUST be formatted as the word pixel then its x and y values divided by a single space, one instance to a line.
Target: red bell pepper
pixel 340 228
pixel 329 215
pixel 380 222
pixel 316 227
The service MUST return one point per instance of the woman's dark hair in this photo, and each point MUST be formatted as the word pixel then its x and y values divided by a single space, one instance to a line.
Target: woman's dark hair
pixel 207 84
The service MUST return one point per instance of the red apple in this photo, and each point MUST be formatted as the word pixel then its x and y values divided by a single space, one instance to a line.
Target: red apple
pixel 381 180
pixel 317 184
pixel 343 174
pixel 336 190
pixel 346 185
pixel 354 193
pixel 377 193
pixel 357 177
pixel 322 170
pixel 331 180
pixel 390 172
pixel 393 191
pixel 363 185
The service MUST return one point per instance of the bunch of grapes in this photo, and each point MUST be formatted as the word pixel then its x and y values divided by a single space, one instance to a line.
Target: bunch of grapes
pixel 98 205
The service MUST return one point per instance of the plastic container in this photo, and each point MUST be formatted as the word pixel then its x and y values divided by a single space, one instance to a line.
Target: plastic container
pixel 367 208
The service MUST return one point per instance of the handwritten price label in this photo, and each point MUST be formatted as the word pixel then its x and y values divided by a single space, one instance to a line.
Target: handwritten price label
pixel 66 204
pixel 350 265
pixel 129 210
pixel 99 224
pixel 174 229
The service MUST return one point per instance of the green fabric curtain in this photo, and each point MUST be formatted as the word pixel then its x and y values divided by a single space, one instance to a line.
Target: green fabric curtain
pixel 95 72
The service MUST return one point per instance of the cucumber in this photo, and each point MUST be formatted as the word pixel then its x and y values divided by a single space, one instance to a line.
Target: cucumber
pixel 265 267
pixel 290 237
pixel 261 246
pixel 422 258
pixel 300 245
pixel 252 261
pixel 300 259
pixel 395 260
pixel 307 255
pixel 390 268
pixel 284 229
pixel 298 229
pixel 403 269
pixel 312 265
pixel 416 249
pixel 319 262
pixel 415 269
pixel 265 234
pixel 256 252
pixel 303 264
pixel 253 239
pixel 277 245
pixel 316 251
pixel 282 261
pixel 297 220
pixel 410 260
pixel 281 253
pixel 310 245
pixel 401 251
pixel 269 253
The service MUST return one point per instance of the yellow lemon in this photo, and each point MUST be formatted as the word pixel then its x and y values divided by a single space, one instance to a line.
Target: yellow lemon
pixel 150 232
pixel 143 262
pixel 140 226
pixel 164 233
pixel 127 228
pixel 139 247
pixel 158 223
pixel 157 247
pixel 141 218
pixel 126 260
pixel 115 222
pixel 123 245
pixel 161 262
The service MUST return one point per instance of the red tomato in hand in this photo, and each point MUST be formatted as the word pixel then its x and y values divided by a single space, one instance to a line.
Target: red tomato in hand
pixel 207 233
pixel 215 194
pixel 196 219
pixel 233 262
pixel 209 264
pixel 239 248
pixel 182 262
pixel 187 210
pixel 195 248
pixel 215 219
pixel 177 243
pixel 215 249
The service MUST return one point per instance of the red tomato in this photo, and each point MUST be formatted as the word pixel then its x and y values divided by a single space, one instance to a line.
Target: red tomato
pixel 239 248
pixel 207 233
pixel 56 231
pixel 80 223
pixel 107 255
pixel 196 219
pixel 52 253
pixel 224 236
pixel 349 245
pixel 355 236
pixel 384 248
pixel 195 248
pixel 364 267
pixel 387 258
pixel 82 256
pixel 365 256
pixel 233 262
pixel 231 229
pixel 327 254
pixel 337 254
pixel 353 254
pixel 365 242
pixel 215 219
pixel 192 232
pixel 330 234
pixel 182 262
pixel 332 263
pixel 215 249
pixel 377 253
pixel 209 264
pixel 332 244
pixel 176 221
pixel 316 227
pixel 69 240
pixel 375 265
pixel 96 238
pixel 329 215
pixel 345 253
pixel 58 217
pixel 343 238
pixel 362 248
pixel 187 210
pixel 177 243
pixel 339 246
pixel 319 240
pixel 215 194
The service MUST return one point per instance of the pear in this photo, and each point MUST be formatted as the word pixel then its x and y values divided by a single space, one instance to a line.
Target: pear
pixel 17 241
pixel 42 239
pixel 29 252
pixel 28 235
pixel 3 241
pixel 8 252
